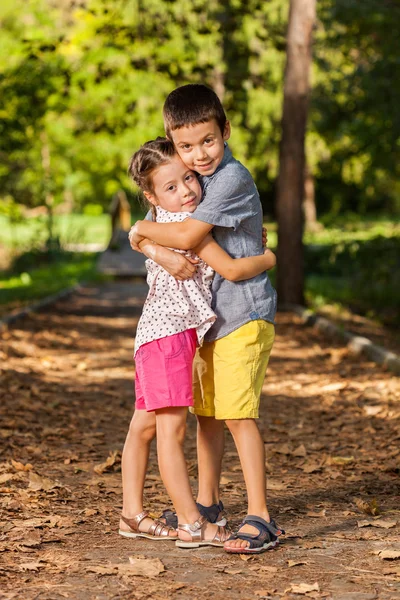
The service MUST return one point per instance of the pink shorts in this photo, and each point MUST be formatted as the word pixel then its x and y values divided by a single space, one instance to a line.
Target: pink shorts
pixel 164 372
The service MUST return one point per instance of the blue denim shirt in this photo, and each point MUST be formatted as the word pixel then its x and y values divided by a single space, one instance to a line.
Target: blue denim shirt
pixel 231 203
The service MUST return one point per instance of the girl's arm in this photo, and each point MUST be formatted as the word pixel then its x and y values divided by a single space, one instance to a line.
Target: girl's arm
pixel 234 269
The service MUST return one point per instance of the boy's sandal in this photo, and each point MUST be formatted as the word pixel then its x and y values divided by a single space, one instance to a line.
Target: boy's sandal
pixel 266 539
pixel 196 532
pixel 156 531
pixel 212 513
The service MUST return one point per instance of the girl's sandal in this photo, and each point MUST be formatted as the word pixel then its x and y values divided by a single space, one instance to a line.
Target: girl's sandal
pixel 267 538
pixel 196 532
pixel 156 531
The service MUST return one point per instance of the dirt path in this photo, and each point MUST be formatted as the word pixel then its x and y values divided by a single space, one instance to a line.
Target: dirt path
pixel 331 428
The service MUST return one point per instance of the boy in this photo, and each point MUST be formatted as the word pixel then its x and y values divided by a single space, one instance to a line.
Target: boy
pixel 230 369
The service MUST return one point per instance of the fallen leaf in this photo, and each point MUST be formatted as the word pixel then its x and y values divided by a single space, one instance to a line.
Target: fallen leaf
pixel 263 568
pixel 113 458
pixel 281 449
pixel 31 539
pixel 233 571
pixel 303 588
pixel 369 508
pixel 378 523
pixel 144 567
pixel 18 466
pixel 6 477
pixel 300 451
pixel 31 566
pixel 316 515
pixel 275 485
pixel 341 460
pixel 295 563
pixel 389 554
pixel 245 557
pixel 371 411
pixel 38 483
pixel 311 467
pixel 102 570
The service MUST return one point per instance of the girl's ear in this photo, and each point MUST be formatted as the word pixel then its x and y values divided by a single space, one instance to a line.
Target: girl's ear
pixel 227 131
pixel 150 198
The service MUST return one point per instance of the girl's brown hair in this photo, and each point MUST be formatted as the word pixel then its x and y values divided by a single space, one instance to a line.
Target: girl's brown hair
pixel 150 156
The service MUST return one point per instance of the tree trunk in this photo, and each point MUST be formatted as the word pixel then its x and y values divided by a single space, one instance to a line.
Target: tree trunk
pixel 290 273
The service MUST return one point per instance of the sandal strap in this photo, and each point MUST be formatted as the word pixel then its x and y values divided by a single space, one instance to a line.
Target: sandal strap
pixel 270 526
pixel 159 529
pixel 222 534
pixel 134 522
pixel 211 513
pixel 268 531
pixel 195 530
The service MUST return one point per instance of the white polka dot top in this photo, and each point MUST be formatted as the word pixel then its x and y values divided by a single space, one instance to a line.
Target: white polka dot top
pixel 173 306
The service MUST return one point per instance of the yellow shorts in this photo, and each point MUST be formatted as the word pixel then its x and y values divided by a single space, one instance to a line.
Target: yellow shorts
pixel 229 373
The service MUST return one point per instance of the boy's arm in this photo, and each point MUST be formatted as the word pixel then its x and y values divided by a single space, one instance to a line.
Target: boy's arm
pixel 184 236
pixel 234 269
pixel 176 264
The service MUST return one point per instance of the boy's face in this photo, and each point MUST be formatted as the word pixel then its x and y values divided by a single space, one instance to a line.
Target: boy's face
pixel 201 146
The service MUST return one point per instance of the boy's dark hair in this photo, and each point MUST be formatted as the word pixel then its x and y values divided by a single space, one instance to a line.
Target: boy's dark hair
pixel 192 104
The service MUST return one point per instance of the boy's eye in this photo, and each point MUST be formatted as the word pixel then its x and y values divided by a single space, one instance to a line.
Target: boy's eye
pixel 189 177
pixel 208 141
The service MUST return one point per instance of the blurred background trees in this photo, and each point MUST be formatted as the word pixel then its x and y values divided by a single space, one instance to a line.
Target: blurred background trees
pixel 82 83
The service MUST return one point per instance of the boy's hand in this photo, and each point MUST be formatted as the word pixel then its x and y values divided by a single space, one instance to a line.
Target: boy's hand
pixel 264 237
pixel 134 237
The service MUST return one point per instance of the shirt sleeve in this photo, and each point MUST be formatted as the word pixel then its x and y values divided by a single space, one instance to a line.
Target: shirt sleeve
pixel 226 201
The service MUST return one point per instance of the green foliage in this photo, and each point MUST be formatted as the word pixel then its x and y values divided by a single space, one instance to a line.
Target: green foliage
pixel 82 86
pixel 63 271
pixel 31 233
pixel 364 275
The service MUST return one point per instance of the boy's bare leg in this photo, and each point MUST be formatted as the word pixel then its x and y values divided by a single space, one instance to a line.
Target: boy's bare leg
pixel 250 447
pixel 210 450
pixel 171 429
pixel 135 457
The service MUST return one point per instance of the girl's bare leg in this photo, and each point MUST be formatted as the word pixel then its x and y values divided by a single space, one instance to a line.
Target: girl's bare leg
pixel 135 457
pixel 171 429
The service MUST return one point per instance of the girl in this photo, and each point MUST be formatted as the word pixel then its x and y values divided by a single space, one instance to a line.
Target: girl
pixel 175 318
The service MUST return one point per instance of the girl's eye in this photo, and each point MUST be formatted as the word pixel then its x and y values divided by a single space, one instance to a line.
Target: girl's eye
pixel 171 188
pixel 186 147
pixel 189 177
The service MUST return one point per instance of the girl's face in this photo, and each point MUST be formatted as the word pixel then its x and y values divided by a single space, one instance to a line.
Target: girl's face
pixel 176 187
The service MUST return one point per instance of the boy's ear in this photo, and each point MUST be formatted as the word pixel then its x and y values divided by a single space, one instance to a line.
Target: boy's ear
pixel 227 131
pixel 150 198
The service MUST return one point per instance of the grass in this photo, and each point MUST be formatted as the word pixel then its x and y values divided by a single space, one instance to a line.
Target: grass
pixel 67 270
pixel 70 229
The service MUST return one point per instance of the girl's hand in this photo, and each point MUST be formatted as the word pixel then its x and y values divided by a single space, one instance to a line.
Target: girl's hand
pixel 134 237
pixel 181 267
pixel 178 265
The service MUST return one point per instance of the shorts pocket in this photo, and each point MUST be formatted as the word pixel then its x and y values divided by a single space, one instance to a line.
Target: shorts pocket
pixel 176 344
pixel 143 354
